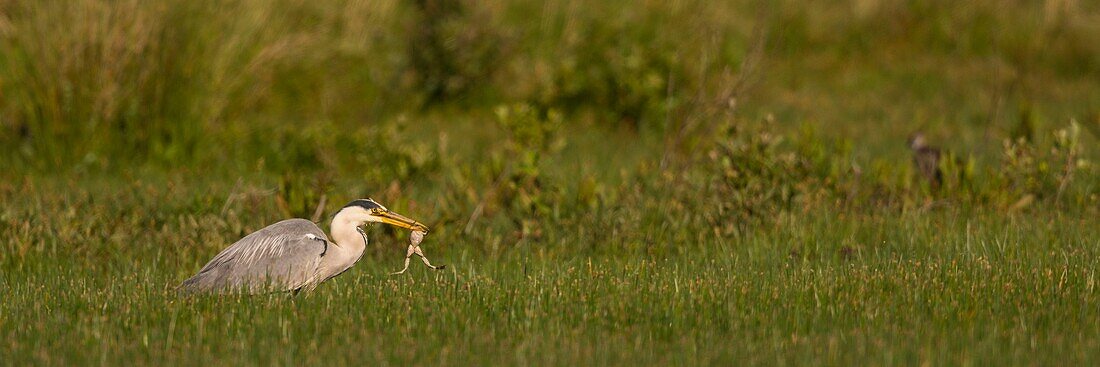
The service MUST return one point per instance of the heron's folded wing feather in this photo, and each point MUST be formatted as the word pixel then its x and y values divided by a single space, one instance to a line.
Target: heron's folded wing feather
pixel 282 256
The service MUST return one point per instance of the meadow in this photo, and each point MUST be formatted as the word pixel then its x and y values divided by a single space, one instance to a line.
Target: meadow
pixel 610 183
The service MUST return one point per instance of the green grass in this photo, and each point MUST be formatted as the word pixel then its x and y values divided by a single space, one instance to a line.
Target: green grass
pixel 941 289
pixel 597 200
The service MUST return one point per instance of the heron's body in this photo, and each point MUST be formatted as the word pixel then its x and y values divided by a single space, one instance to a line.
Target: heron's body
pixel 290 255
pixel 293 254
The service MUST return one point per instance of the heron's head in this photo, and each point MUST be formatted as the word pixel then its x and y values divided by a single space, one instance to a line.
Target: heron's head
pixel 365 211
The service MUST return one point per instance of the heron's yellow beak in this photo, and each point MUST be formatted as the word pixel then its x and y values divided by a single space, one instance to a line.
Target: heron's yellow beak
pixel 399 220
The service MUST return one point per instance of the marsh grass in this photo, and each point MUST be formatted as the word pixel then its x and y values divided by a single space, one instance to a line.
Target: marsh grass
pixel 89 274
pixel 942 289
pixel 684 183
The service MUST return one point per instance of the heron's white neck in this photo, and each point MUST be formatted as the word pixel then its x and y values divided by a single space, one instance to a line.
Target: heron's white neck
pixel 347 237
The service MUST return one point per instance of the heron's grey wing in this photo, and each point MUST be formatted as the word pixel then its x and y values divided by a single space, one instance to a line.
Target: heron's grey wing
pixel 281 257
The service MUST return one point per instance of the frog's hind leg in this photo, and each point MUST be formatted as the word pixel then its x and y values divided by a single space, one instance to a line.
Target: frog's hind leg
pixel 420 253
pixel 412 249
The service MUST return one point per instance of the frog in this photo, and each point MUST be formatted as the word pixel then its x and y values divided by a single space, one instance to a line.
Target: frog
pixel 415 238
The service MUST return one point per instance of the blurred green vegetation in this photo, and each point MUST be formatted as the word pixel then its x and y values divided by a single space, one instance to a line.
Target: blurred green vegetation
pixel 393 90
pixel 153 133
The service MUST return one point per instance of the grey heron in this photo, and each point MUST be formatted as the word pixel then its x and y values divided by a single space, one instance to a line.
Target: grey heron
pixel 294 254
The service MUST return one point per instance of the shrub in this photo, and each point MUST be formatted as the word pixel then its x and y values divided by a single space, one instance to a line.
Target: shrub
pixel 1044 172
pixel 453 47
pixel 530 135
pixel 753 179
